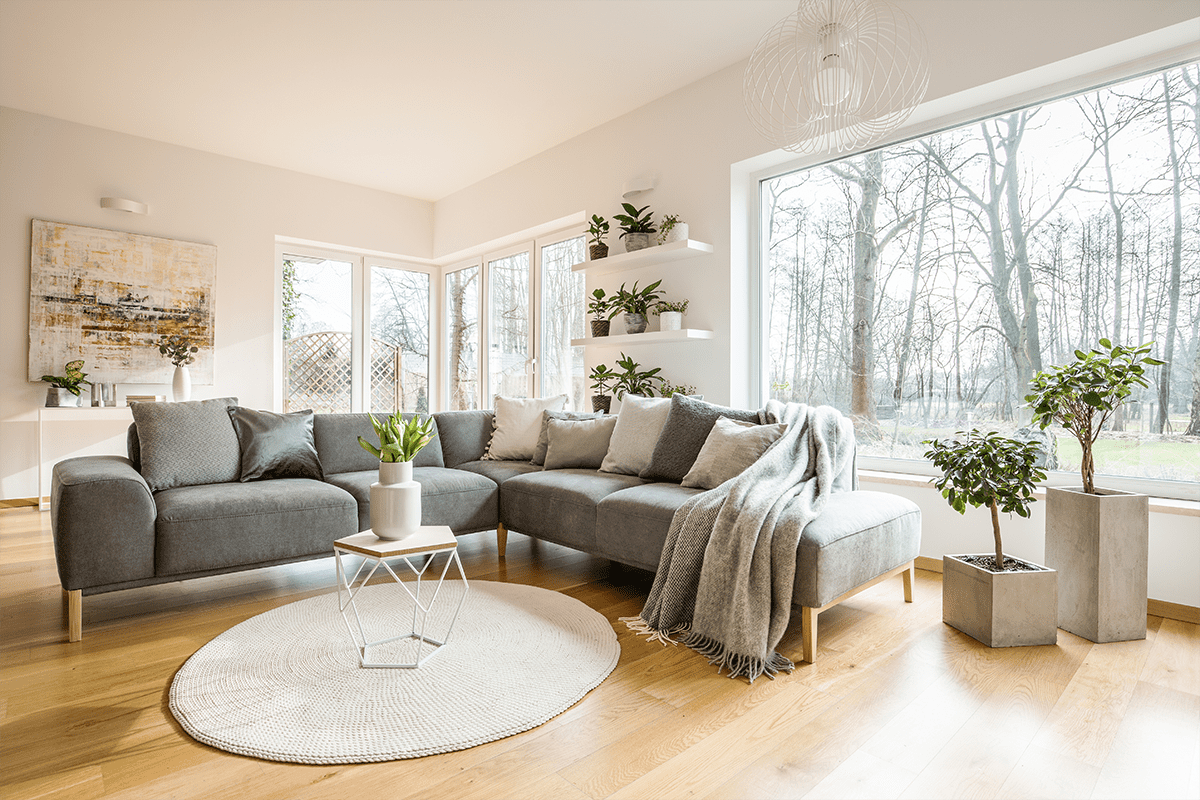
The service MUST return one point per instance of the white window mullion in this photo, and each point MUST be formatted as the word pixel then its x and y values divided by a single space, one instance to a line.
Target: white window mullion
pixel 360 336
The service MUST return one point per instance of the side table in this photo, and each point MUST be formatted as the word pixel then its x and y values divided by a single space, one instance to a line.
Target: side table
pixel 429 540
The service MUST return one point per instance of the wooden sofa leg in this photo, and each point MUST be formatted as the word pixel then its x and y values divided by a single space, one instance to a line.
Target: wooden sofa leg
pixel 808 632
pixel 501 539
pixel 910 574
pixel 74 614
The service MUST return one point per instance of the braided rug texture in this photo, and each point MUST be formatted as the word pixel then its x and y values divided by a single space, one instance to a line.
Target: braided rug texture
pixel 287 686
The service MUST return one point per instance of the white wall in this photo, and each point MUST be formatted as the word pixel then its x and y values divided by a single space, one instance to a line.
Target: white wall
pixel 56 170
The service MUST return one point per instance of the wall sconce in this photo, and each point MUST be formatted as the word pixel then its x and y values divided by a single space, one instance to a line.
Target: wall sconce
pixel 642 183
pixel 121 204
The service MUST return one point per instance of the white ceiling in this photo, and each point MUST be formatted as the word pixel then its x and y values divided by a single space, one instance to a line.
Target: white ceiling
pixel 417 97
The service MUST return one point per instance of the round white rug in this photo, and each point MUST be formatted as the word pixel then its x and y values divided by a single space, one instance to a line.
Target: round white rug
pixel 287 686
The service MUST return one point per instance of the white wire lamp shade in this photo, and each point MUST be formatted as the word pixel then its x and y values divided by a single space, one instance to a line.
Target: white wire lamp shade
pixel 836 76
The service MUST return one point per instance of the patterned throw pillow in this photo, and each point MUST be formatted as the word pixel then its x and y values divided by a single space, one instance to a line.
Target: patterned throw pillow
pixel 187 444
pixel 639 423
pixel 687 427
pixel 730 448
pixel 516 424
pixel 276 445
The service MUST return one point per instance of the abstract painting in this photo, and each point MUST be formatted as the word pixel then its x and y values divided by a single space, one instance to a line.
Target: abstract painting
pixel 107 296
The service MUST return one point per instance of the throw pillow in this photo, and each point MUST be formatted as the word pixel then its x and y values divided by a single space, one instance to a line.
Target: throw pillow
pixel 275 445
pixel 639 423
pixel 730 448
pixel 516 423
pixel 539 452
pixel 578 443
pixel 187 444
pixel 683 435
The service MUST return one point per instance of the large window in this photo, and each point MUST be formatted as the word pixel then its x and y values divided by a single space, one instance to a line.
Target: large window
pixel 919 287
pixel 562 313
pixel 462 338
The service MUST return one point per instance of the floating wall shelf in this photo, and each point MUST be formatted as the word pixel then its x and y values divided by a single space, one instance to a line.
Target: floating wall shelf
pixel 675 251
pixel 649 337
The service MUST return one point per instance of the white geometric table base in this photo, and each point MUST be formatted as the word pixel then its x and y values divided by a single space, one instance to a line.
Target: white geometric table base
pixel 349 588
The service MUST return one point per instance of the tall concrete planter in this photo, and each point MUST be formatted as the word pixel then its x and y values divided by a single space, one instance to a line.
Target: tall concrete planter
pixel 1099 543
pixel 1000 609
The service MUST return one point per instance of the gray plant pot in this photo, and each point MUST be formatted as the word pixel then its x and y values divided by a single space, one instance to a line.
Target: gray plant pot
pixel 1000 609
pixel 636 241
pixel 1099 543
pixel 56 398
pixel 635 323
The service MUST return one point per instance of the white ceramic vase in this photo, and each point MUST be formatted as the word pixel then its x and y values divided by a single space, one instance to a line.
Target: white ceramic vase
pixel 670 321
pixel 677 234
pixel 181 385
pixel 395 501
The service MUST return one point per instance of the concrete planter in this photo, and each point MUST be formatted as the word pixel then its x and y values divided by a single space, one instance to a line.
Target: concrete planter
pixel 1099 543
pixel 1000 609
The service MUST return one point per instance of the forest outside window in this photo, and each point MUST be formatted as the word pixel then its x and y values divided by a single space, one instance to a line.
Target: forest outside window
pixel 919 287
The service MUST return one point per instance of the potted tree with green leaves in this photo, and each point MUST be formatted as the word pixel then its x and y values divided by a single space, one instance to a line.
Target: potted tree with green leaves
pixel 597 230
pixel 636 226
pixel 997 599
pixel 598 307
pixel 635 303
pixel 602 377
pixel 64 389
pixel 631 379
pixel 396 498
pixel 1097 539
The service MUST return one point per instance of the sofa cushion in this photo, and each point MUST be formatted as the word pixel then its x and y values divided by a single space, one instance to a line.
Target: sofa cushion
pixel 539 452
pixel 632 525
pixel 687 426
pixel 187 444
pixel 464 435
pixel 559 506
pixel 216 526
pixel 730 448
pixel 579 443
pixel 275 445
pixel 499 471
pixel 858 536
pixel 336 437
pixel 516 423
pixel 463 500
pixel 639 423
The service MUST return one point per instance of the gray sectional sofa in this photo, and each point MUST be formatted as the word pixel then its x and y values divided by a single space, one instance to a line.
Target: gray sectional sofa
pixel 112 532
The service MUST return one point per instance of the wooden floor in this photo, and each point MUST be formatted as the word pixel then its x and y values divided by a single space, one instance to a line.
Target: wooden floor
pixel 897 705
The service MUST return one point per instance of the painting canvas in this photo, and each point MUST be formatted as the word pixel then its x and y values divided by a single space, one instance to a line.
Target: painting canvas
pixel 107 296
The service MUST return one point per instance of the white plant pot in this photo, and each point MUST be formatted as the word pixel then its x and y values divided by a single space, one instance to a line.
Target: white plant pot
pixel 181 385
pixel 395 501
pixel 670 321
pixel 677 233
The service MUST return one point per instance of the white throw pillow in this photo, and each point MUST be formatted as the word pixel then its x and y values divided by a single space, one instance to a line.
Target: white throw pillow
pixel 730 448
pixel 516 423
pixel 639 423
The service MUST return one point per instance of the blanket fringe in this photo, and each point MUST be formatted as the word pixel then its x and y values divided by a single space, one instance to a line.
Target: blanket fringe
pixel 643 628
pixel 738 664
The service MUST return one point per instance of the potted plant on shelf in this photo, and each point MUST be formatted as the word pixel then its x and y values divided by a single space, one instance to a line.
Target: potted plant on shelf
pixel 636 226
pixel 396 498
pixel 669 389
pixel 602 378
pixel 598 307
pixel 998 600
pixel 1097 539
pixel 635 304
pixel 64 389
pixel 181 352
pixel 670 314
pixel 672 230
pixel 597 230
pixel 633 380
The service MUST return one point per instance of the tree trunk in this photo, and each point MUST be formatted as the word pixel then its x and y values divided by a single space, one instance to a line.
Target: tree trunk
pixel 866 258
pixel 906 337
pixel 1164 374
pixel 1194 423
pixel 996 535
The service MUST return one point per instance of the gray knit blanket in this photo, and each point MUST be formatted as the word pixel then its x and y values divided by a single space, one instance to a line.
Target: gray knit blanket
pixel 725 578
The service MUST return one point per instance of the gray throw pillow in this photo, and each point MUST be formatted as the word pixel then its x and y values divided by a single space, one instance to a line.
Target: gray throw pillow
pixel 276 445
pixel 539 452
pixel 688 425
pixel 187 444
pixel 578 443
pixel 639 423
pixel 730 448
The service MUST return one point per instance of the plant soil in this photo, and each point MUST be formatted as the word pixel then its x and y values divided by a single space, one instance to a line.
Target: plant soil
pixel 1010 564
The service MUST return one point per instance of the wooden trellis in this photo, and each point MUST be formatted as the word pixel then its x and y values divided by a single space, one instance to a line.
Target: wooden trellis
pixel 317 373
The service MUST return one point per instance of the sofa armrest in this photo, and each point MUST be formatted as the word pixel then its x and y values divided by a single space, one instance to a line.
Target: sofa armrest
pixel 102 515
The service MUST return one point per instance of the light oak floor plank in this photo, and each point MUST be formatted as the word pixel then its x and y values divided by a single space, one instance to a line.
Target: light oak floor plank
pixel 897 704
